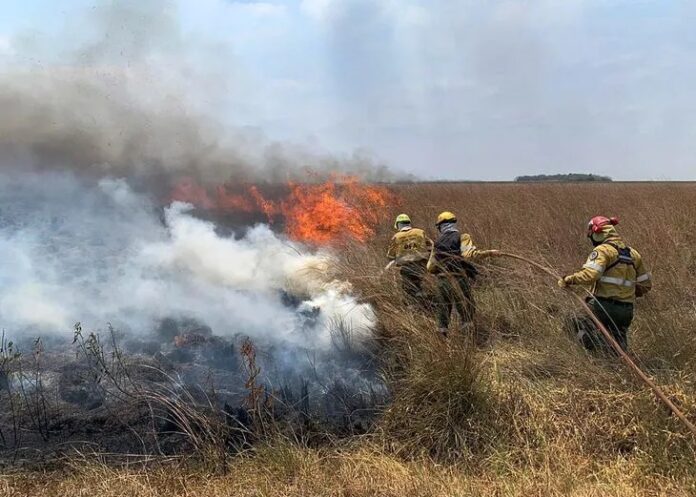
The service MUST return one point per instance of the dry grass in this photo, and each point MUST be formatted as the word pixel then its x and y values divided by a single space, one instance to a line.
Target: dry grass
pixel 284 470
pixel 528 414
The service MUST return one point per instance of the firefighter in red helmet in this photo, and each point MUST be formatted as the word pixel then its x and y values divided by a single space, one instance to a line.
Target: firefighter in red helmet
pixel 616 275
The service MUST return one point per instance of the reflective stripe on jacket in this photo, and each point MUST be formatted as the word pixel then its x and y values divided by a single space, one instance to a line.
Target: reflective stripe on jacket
pixel 612 275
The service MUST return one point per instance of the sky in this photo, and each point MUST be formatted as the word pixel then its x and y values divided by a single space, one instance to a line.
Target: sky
pixel 442 89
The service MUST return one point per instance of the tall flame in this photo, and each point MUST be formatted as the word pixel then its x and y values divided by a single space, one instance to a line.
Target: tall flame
pixel 335 210
pixel 341 208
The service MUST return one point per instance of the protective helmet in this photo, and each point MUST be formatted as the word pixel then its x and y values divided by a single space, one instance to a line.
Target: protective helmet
pixel 600 227
pixel 600 224
pixel 401 218
pixel 446 217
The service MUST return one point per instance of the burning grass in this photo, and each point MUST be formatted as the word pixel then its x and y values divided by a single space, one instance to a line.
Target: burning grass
pixel 321 213
pixel 526 412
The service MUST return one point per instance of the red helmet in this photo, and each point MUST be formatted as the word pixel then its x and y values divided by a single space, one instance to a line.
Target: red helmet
pixel 598 223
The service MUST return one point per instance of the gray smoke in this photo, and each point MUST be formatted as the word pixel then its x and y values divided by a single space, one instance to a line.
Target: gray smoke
pixel 74 252
pixel 174 293
pixel 93 130
pixel 131 96
pixel 103 255
pixel 95 126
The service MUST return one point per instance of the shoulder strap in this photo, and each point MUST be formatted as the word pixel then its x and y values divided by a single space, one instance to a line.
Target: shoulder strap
pixel 623 258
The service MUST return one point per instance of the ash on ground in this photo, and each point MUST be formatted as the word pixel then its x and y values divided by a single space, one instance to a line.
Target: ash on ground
pixel 168 391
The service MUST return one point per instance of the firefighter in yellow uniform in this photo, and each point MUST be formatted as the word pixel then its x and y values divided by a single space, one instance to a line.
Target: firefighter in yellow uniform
pixel 451 260
pixel 616 275
pixel 408 250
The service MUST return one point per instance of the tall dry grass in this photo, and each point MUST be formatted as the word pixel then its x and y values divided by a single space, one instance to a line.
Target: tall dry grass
pixel 526 413
pixel 532 397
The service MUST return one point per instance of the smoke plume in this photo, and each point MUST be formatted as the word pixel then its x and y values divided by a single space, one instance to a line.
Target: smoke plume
pixel 75 253
pixel 133 97
pixel 91 135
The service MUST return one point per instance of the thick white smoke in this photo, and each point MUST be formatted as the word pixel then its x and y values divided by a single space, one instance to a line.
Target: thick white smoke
pixel 97 124
pixel 75 251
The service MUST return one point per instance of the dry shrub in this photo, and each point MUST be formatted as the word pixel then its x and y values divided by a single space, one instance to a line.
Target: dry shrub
pixel 442 406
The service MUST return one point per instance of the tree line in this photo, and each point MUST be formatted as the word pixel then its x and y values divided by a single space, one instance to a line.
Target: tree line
pixel 562 177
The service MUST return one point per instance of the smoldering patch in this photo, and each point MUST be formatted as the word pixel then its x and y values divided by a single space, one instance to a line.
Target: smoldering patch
pixel 173 307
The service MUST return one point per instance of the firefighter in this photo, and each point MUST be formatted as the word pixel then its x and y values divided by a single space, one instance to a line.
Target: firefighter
pixel 451 260
pixel 408 250
pixel 616 275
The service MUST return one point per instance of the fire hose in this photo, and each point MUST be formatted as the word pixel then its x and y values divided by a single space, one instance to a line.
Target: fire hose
pixel 614 344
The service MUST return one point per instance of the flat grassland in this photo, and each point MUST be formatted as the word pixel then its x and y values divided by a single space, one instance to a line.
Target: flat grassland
pixel 525 413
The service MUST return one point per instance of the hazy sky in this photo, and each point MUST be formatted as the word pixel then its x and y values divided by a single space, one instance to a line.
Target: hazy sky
pixel 444 89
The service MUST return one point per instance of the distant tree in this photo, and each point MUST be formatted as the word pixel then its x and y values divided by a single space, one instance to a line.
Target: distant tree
pixel 572 177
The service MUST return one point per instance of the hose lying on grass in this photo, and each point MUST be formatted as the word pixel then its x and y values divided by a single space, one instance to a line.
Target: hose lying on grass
pixel 614 344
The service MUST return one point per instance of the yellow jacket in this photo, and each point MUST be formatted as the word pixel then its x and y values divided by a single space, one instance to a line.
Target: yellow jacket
pixel 611 276
pixel 408 245
pixel 469 250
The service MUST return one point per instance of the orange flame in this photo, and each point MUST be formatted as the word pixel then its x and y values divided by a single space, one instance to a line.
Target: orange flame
pixel 339 209
pixel 333 211
pixel 250 200
pixel 268 207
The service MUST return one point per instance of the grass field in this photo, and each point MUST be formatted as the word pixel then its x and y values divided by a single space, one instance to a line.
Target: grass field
pixel 528 413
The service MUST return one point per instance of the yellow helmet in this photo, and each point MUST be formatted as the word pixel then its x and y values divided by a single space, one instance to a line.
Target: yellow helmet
pixel 446 217
pixel 401 218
